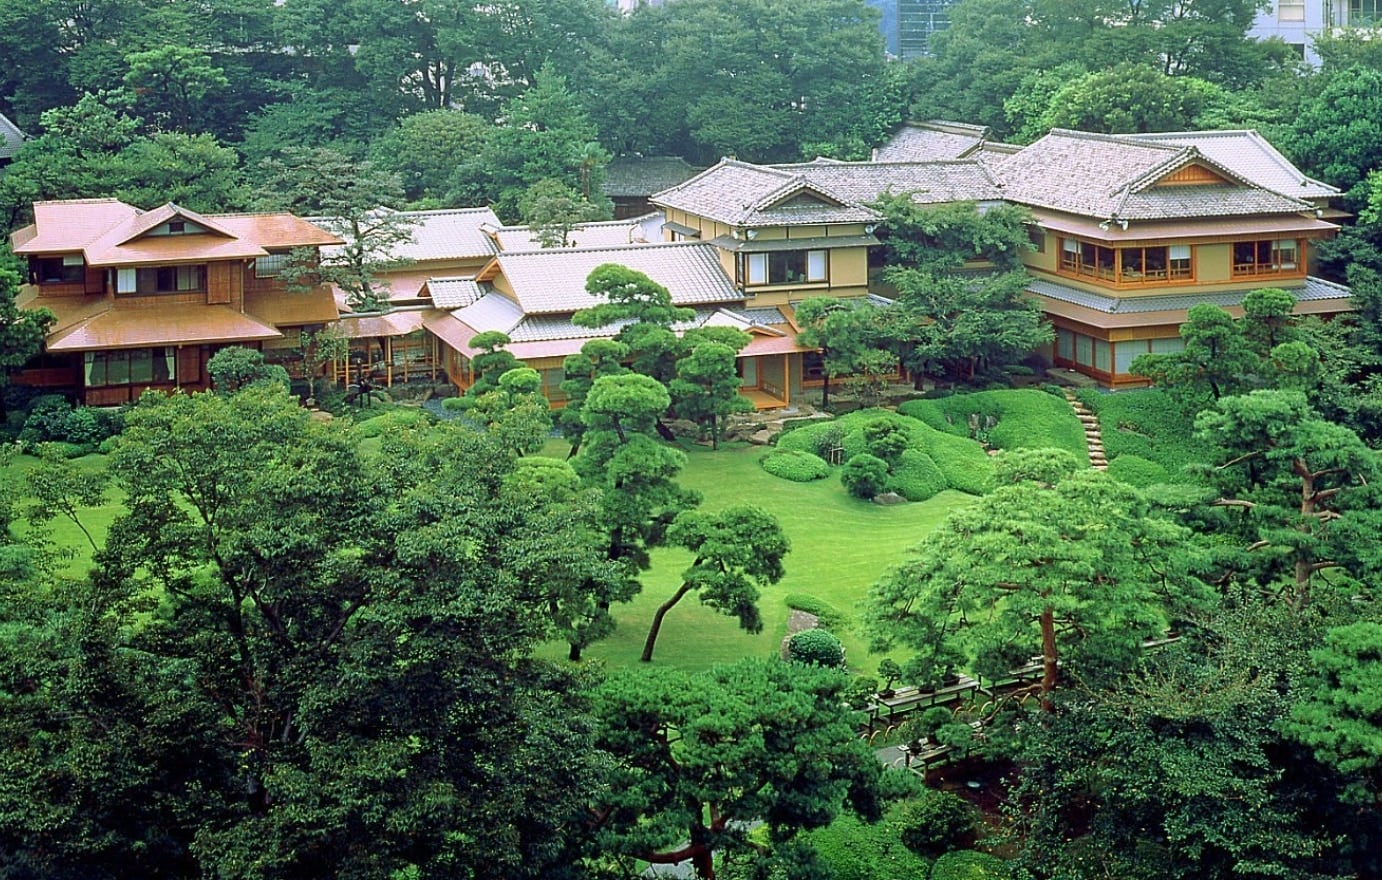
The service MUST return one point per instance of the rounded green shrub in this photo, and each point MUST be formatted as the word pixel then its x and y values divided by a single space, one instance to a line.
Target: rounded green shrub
pixel 1137 471
pixel 963 462
pixel 795 465
pixel 854 850
pixel 390 421
pixel 935 822
pixel 886 438
pixel 969 865
pixel 916 476
pixel 828 615
pixel 816 647
pixel 865 475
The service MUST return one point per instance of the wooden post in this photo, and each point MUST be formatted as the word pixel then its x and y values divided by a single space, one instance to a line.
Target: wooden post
pixel 388 361
pixel 787 379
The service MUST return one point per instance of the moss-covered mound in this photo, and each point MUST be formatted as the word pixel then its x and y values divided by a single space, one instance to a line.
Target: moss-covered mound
pixel 922 460
pixel 796 465
pixel 1009 418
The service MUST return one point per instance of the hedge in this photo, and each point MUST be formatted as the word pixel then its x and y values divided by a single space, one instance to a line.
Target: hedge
pixel 855 850
pixel 960 462
pixel 916 476
pixel 969 865
pixel 795 465
pixel 829 616
pixel 1026 418
pixel 816 647
pixel 935 822
pixel 1145 424
pixel 1138 471
pixel 391 420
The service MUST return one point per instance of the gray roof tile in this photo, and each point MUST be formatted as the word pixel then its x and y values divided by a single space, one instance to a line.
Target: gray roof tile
pixel 931 183
pixel 633 176
pixel 553 281
pixel 492 311
pixel 608 233
pixel 927 141
pixel 11 138
pixel 454 293
pixel 1315 289
pixel 1249 154
pixel 1107 176
pixel 739 194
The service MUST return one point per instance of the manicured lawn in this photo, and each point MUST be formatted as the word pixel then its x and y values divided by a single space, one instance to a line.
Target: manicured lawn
pixel 840 545
pixel 64 533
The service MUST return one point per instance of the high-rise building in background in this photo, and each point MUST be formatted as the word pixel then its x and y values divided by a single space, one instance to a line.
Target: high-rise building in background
pixel 1298 22
pixel 917 22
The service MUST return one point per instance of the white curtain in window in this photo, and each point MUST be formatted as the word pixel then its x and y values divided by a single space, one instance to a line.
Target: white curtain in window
pixel 758 268
pixel 815 265
pixel 124 281
pixel 1180 251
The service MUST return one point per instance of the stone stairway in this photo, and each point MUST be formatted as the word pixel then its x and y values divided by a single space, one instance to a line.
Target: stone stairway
pixel 1093 439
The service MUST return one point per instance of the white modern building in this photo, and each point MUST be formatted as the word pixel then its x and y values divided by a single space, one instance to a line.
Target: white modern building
pixel 1298 22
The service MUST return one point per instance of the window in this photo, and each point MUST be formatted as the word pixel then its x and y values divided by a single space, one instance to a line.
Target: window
pixel 1129 265
pixel 1363 13
pixel 1267 257
pixel 1037 236
pixel 136 366
pixel 167 279
pixel 271 266
pixel 176 227
pixel 785 267
pixel 1290 10
pixel 57 270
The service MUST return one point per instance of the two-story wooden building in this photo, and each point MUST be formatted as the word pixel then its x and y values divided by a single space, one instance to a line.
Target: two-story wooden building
pixel 144 298
pixel 1132 231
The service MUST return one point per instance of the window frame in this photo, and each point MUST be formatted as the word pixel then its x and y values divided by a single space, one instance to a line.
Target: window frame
pixel 151 280
pixel 778 268
pixel 71 269
pixel 1268 258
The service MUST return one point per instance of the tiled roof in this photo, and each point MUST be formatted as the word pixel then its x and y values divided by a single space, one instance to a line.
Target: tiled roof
pixel 926 141
pixel 452 234
pixel 70 225
pixel 608 233
pixel 1249 154
pixel 397 323
pixel 280 308
pixel 1315 289
pixel 739 194
pixel 164 325
pixel 454 293
pixel 11 138
pixel 111 233
pixel 633 176
pixel 934 182
pixel 553 281
pixel 1106 176
pixel 492 311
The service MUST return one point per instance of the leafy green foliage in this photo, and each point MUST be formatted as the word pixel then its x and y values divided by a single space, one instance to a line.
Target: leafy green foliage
pixel 21 330
pixel 235 367
pixel 1339 719
pixel 1147 424
pixel 969 865
pixel 854 850
pixel 829 616
pixel 864 475
pixel 934 822
pixel 1025 419
pixel 1080 573
pixel 796 465
pixel 817 647
pixel 692 758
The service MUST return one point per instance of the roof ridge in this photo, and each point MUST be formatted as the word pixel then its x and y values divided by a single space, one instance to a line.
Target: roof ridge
pixel 1127 139
pixel 641 246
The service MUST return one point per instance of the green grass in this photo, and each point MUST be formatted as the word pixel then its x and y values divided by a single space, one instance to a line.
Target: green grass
pixel 840 546
pixel 1145 424
pixel 1027 418
pixel 65 535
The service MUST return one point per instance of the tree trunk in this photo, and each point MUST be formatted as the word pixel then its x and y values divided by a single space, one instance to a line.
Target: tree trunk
pixel 574 654
pixel 665 432
pixel 1050 671
pixel 825 391
pixel 657 621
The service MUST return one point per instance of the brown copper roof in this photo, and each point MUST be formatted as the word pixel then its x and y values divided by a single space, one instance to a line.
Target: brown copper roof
pixel 276 231
pixel 391 324
pixel 169 325
pixel 70 226
pixel 281 308
pixel 165 249
pixel 68 310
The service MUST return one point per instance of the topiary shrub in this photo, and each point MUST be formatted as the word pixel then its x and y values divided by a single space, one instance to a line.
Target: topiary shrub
pixel 865 476
pixel 886 438
pixel 795 465
pixel 969 865
pixel 53 420
pixel 389 421
pixel 935 822
pixel 854 850
pixel 916 476
pixel 1137 471
pixel 816 647
pixel 829 616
